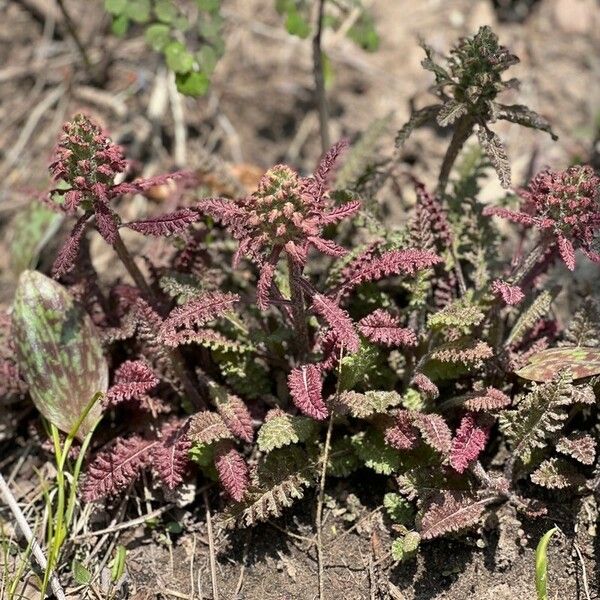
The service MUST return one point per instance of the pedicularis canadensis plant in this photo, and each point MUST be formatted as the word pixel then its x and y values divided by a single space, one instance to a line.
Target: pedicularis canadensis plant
pixel 418 353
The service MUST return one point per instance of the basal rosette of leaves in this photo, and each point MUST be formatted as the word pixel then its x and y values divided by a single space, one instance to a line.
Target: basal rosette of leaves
pixel 262 321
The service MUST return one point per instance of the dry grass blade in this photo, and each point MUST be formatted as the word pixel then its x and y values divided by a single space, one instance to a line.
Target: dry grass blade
pixel 38 553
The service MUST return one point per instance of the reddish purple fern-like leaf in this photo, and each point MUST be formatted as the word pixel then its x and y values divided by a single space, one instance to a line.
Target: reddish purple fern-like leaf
pixel 339 321
pixel 305 385
pixel 402 435
pixel 468 443
pixel 113 469
pixel 170 458
pixel 166 224
pixel 511 294
pixel 232 470
pixel 237 417
pixel 435 431
pixel 132 379
pixel 449 511
pixel 67 256
pixel 384 328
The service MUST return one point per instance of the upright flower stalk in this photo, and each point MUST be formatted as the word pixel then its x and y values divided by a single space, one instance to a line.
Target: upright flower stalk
pixel 88 162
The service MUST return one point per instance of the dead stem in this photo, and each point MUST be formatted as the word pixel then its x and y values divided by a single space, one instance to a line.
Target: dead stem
pixel 211 547
pixel 319 518
pixel 321 98
pixel 321 497
pixel 73 33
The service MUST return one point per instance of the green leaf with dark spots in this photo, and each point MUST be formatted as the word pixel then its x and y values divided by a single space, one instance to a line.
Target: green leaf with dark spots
pixel 545 365
pixel 31 229
pixel 58 351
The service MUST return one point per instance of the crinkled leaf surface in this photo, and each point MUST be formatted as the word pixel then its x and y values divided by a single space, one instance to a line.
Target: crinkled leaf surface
pixel 58 351
pixel 545 365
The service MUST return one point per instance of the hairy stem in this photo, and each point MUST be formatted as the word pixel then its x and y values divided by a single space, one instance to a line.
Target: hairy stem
pixel 38 553
pixel 528 263
pixel 173 354
pixel 298 309
pixel 462 131
pixel 320 96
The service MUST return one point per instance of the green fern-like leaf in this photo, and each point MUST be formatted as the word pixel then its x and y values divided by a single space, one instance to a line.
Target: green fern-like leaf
pixel 367 404
pixel 362 154
pixel 243 373
pixel 529 317
pixel 181 286
pixel 459 317
pixel 284 430
pixel 584 327
pixel 556 474
pixel 371 449
pixel 342 458
pixel 279 480
pixel 538 416
pixel 398 508
pixel 366 369
pixel 406 546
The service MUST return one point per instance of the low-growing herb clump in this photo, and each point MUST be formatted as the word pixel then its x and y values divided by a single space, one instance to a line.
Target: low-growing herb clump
pixel 273 340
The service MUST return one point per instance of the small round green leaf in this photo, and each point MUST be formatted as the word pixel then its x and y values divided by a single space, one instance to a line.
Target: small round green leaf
pixel 209 6
pixel 207 59
pixel 120 25
pixel 165 11
pixel 115 7
pixel 297 25
pixel 81 575
pixel 138 10
pixel 178 58
pixel 158 36
pixel 192 84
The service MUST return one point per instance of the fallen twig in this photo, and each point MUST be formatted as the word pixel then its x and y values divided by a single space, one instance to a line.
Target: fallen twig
pixel 211 548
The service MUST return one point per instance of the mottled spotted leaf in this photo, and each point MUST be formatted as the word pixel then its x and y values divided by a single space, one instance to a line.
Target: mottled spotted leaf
pixel 58 351
pixel 545 365
pixel 30 231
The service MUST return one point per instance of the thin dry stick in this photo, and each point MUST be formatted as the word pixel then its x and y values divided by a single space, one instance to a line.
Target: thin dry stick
pixel 321 98
pixel 586 587
pixel 38 553
pixel 126 525
pixel 192 591
pixel 211 548
pixel 180 131
pixel 321 497
pixel 73 33
pixel 320 507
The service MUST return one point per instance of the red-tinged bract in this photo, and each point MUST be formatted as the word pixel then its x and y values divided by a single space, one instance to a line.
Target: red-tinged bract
pixel 565 207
